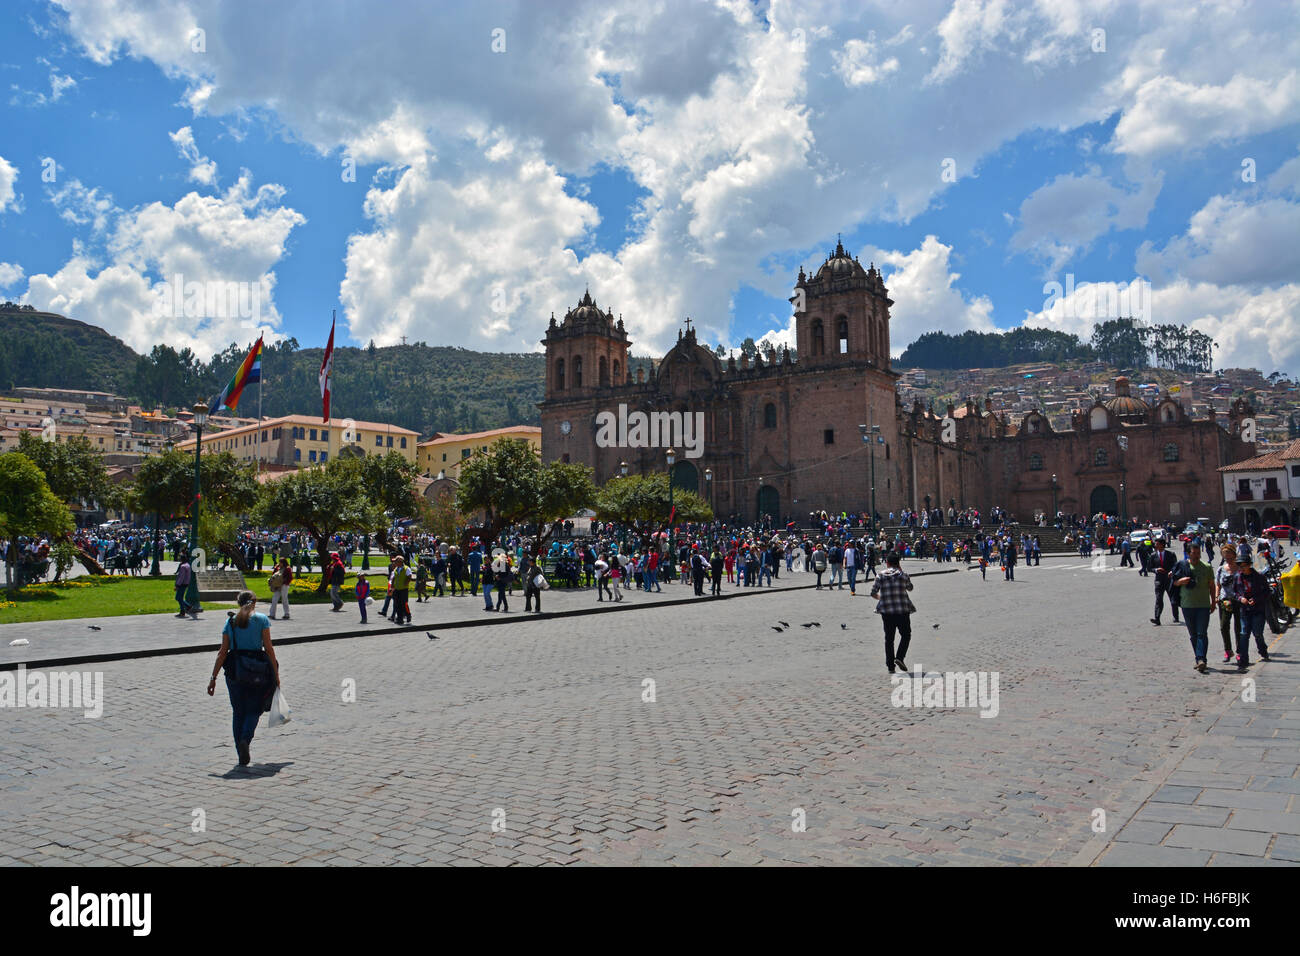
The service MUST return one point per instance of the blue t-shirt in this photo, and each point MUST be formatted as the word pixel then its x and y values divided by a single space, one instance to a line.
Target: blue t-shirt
pixel 249 637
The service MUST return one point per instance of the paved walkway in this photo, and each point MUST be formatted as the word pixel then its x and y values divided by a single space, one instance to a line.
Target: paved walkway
pixel 1231 796
pixel 542 743
pixel 103 638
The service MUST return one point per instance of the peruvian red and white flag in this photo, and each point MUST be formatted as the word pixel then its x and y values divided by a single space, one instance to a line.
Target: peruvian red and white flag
pixel 326 366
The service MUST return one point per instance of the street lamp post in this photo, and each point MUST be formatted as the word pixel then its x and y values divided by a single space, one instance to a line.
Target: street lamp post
pixel 1123 504
pixel 672 554
pixel 709 493
pixel 873 438
pixel 1055 511
pixel 155 570
pixel 200 419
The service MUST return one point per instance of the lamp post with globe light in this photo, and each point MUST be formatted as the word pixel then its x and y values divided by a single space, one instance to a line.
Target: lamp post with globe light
pixel 200 419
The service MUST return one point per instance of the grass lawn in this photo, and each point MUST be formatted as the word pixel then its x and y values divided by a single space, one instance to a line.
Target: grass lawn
pixel 91 596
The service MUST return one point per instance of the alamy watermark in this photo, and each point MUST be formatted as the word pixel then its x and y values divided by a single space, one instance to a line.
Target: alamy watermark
pixel 211 299
pixel 1109 300
pixel 73 689
pixel 621 429
pixel 969 689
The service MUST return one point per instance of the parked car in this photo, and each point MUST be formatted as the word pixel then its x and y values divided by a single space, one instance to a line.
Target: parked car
pixel 1280 531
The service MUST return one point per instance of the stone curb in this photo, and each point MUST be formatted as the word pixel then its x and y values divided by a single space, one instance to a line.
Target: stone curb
pixel 404 629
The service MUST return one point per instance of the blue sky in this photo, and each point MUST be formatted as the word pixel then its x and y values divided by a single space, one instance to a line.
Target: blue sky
pixel 680 159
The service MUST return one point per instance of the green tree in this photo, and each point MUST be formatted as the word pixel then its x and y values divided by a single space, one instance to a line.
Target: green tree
pixel 507 484
pixel 388 482
pixel 643 502
pixel 73 469
pixel 27 507
pixel 164 486
pixel 321 501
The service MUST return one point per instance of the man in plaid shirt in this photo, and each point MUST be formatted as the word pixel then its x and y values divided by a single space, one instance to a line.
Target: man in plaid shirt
pixel 895 609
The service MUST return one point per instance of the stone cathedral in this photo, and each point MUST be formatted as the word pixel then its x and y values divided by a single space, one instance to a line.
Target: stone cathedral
pixel 782 437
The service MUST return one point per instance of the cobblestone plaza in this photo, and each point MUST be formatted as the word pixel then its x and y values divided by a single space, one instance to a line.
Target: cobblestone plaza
pixel 678 734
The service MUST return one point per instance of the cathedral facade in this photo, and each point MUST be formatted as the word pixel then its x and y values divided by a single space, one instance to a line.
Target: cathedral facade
pixel 784 437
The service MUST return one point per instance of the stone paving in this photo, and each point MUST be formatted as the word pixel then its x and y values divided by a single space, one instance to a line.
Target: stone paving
pixel 543 729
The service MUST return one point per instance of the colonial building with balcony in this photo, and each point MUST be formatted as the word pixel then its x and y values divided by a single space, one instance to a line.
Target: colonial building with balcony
pixel 1263 491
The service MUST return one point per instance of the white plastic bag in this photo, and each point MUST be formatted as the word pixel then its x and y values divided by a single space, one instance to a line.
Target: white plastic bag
pixel 279 710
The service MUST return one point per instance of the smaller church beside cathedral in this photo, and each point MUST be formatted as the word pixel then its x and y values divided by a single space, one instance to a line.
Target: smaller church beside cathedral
pixel 784 437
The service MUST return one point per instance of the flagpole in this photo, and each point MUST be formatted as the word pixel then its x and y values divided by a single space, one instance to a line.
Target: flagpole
pixel 259 424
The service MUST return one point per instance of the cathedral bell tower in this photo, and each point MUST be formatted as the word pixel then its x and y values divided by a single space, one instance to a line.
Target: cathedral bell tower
pixel 842 314
pixel 585 352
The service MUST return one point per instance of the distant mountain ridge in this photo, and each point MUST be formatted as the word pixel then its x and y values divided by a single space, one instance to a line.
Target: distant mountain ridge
pixel 419 386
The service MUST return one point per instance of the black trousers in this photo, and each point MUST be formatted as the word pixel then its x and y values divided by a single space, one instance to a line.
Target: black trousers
pixel 1160 604
pixel 402 606
pixel 532 592
pixel 902 625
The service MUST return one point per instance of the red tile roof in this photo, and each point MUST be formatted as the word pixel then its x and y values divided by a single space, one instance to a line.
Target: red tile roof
pixel 1277 458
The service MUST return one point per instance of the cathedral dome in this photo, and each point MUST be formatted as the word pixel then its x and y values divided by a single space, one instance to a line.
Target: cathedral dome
pixel 839 264
pixel 587 311
pixel 1124 406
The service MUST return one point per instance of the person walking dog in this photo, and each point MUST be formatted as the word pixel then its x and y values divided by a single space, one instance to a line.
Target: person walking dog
pixel 252 672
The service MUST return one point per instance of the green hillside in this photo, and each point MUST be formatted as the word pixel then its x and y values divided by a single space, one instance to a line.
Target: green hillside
pixel 44 350
pixel 423 387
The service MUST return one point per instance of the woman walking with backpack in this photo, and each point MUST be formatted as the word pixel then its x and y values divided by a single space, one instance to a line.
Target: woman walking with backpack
pixel 252 672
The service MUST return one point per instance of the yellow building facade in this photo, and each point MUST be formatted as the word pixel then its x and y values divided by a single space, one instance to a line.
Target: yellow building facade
pixel 445 452
pixel 305 440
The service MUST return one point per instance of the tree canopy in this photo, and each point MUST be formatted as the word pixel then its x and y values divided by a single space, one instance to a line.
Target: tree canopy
pixel 74 469
pixel 644 499
pixel 508 484
pixel 27 505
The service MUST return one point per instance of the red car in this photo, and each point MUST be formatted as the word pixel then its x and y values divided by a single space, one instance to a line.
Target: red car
pixel 1280 531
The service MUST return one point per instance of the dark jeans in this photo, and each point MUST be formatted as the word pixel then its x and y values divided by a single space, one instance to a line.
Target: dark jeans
pixel 902 624
pixel 503 597
pixel 1229 623
pixel 532 593
pixel 361 603
pixel 1197 620
pixel 487 597
pixel 1160 604
pixel 401 606
pixel 1252 622
pixel 247 705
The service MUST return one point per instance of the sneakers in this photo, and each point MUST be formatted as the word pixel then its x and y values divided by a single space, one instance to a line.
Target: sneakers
pixel 1242 663
pixel 1227 658
pixel 1202 666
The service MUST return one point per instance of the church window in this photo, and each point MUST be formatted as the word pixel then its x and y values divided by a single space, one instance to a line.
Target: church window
pixel 604 371
pixel 1035 462
pixel 842 334
pixel 577 371
pixel 1100 458
pixel 617 380
pixel 1171 452
pixel 559 374
pixel 828 436
pixel 818 338
pixel 769 415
